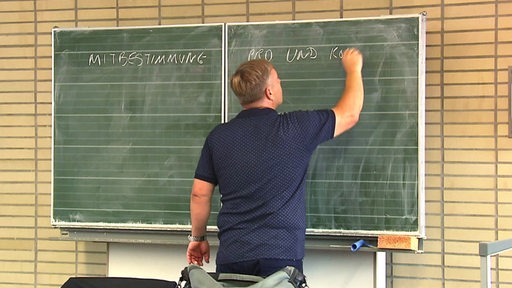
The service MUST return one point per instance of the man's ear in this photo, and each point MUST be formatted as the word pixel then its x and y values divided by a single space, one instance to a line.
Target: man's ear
pixel 268 94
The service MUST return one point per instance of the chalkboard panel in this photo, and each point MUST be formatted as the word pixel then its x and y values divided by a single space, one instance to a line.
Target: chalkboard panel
pixel 366 181
pixel 132 107
pixel 131 110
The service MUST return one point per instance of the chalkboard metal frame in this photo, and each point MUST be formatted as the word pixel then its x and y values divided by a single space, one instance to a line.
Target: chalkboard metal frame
pixel 420 233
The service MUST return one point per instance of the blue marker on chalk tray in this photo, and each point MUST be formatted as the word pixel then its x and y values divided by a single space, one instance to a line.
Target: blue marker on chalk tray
pixel 361 243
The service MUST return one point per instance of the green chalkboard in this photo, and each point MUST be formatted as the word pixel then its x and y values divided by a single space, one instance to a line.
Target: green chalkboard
pixel 133 106
pixel 368 180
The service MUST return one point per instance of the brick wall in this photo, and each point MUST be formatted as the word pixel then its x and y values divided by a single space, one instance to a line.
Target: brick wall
pixel 468 152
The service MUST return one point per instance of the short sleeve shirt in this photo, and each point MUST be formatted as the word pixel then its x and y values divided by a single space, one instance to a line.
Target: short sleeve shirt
pixel 259 160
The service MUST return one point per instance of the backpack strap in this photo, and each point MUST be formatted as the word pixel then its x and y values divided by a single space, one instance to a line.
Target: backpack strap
pixel 184 281
pixel 297 279
pixel 238 277
pixel 194 276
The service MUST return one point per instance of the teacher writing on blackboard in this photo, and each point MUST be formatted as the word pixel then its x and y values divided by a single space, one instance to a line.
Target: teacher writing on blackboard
pixel 260 159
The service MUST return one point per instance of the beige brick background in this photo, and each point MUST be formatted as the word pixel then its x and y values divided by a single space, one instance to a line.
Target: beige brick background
pixel 468 152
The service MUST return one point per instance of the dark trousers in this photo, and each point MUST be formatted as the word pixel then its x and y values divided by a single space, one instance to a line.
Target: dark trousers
pixel 259 267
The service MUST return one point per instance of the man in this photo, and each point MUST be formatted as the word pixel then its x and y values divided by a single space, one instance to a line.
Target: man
pixel 259 159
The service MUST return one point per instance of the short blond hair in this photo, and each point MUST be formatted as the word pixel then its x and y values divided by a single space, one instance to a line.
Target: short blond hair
pixel 250 79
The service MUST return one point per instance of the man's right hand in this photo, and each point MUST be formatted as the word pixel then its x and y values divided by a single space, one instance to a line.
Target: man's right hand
pixel 352 60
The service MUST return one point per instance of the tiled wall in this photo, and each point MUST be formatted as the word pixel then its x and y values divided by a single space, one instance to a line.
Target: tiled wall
pixel 468 152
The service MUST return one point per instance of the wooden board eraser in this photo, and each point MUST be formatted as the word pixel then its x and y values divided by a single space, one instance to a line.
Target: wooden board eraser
pixel 397 242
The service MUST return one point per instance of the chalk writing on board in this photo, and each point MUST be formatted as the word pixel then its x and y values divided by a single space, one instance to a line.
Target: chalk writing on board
pixel 294 54
pixel 301 54
pixel 135 58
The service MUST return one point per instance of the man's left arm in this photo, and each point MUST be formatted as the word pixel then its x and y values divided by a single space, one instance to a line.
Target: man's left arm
pixel 200 206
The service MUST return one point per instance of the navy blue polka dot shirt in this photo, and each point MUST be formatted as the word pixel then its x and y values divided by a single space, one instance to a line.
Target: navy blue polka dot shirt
pixel 259 159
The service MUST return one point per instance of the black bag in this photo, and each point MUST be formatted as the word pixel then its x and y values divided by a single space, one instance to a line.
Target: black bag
pixel 195 277
pixel 116 282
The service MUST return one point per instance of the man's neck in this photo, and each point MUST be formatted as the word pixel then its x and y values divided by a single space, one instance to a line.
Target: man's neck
pixel 259 105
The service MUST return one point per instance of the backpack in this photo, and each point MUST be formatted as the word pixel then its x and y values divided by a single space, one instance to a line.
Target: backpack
pixel 196 277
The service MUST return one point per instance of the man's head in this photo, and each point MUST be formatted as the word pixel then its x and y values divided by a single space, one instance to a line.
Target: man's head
pixel 257 81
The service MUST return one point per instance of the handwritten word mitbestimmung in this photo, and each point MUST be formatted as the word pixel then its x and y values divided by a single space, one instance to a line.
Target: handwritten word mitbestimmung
pixel 135 58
